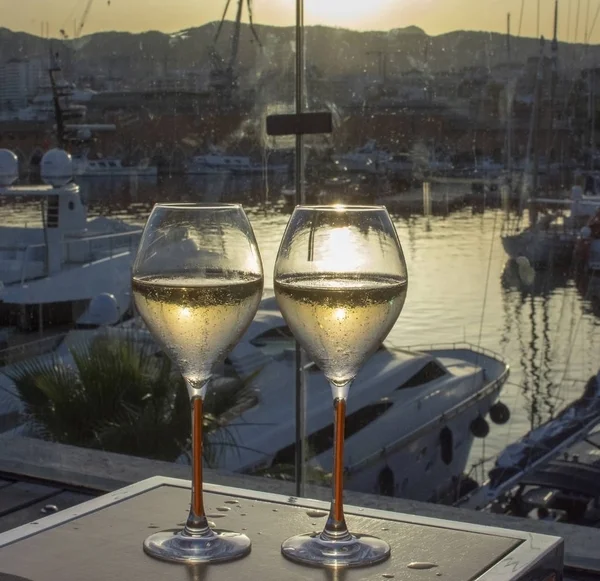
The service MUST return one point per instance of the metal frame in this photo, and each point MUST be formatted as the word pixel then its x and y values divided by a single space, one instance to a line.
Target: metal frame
pixel 533 549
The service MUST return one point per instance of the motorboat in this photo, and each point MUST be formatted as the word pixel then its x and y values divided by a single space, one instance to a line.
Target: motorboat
pixel 51 272
pixel 365 159
pixel 412 413
pixel 111 166
pixel 216 161
pixel 553 471
pixel 549 242
pixel 552 235
pixel 587 247
pixel 411 420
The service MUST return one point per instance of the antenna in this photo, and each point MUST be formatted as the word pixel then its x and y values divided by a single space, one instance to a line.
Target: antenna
pixel 521 17
pixel 577 20
pixel 508 36
pixel 554 45
pixel 586 37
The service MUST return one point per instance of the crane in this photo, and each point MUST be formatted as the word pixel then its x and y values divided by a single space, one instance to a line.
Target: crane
pixel 224 76
pixel 82 21
pixel 86 12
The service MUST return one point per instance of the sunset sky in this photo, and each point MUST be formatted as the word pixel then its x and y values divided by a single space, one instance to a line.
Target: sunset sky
pixel 434 16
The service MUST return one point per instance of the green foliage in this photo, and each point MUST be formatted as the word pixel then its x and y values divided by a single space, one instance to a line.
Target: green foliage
pixel 120 396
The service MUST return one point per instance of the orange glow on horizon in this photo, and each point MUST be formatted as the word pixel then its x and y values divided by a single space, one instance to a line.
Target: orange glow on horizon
pixel 433 16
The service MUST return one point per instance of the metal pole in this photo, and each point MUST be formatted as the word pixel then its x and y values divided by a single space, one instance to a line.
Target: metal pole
pixel 299 175
pixel 593 140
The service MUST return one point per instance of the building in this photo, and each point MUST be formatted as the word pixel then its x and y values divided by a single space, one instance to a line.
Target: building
pixel 20 80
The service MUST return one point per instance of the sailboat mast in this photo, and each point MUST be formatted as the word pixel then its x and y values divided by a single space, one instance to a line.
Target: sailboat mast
pixel 553 83
pixel 509 98
pixel 536 116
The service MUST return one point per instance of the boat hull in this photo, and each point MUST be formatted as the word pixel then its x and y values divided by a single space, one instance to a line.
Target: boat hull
pixel 121 172
pixel 540 249
pixel 417 468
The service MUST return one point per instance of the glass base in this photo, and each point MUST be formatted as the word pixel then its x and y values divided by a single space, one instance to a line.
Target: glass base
pixel 179 547
pixel 358 551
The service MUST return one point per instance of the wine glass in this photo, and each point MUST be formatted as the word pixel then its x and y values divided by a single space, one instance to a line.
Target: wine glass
pixel 197 283
pixel 340 282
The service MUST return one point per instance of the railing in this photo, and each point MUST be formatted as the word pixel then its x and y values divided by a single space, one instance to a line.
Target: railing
pixel 112 245
pixel 129 241
pixel 23 351
pixel 457 345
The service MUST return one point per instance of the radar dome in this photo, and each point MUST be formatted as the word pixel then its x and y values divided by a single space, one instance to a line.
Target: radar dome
pixel 56 167
pixel 103 310
pixel 9 167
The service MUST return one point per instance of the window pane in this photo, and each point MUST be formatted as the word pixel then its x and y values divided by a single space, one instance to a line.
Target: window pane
pixel 155 103
pixel 451 121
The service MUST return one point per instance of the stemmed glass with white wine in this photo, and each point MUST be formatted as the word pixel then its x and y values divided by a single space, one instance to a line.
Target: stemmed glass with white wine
pixel 197 283
pixel 340 282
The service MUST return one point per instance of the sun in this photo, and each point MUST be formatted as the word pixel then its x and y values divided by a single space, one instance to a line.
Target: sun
pixel 344 12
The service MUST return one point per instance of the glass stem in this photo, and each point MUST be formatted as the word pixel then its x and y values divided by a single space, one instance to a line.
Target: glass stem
pixel 197 524
pixel 335 527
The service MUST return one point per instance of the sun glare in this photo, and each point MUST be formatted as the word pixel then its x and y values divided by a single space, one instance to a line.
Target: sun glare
pixel 343 12
pixel 337 251
pixel 339 314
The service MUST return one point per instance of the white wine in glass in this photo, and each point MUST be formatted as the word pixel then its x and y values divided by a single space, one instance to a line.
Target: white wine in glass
pixel 197 283
pixel 340 282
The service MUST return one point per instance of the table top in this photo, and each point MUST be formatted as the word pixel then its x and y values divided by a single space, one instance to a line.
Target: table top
pixel 101 540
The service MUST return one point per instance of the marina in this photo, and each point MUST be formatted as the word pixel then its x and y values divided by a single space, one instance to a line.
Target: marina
pixel 442 259
pixel 521 315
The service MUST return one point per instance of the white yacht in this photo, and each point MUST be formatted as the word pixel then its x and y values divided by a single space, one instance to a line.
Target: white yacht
pixel 551 239
pixel 65 261
pixel 412 413
pixel 217 161
pixel 111 166
pixel 365 159
pixel 411 418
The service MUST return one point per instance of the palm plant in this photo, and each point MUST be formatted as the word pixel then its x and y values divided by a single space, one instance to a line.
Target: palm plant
pixel 118 395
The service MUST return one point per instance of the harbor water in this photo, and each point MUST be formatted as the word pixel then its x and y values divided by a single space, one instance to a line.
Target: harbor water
pixel 461 288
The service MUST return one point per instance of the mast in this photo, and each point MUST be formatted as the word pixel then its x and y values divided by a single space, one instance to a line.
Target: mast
pixel 508 36
pixel 58 113
pixel 509 104
pixel 553 83
pixel 532 141
pixel 536 117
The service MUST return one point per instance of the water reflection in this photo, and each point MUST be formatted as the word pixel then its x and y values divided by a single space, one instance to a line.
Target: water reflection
pixel 528 308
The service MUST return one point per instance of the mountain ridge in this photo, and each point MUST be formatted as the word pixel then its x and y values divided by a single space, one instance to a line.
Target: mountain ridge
pixel 332 51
